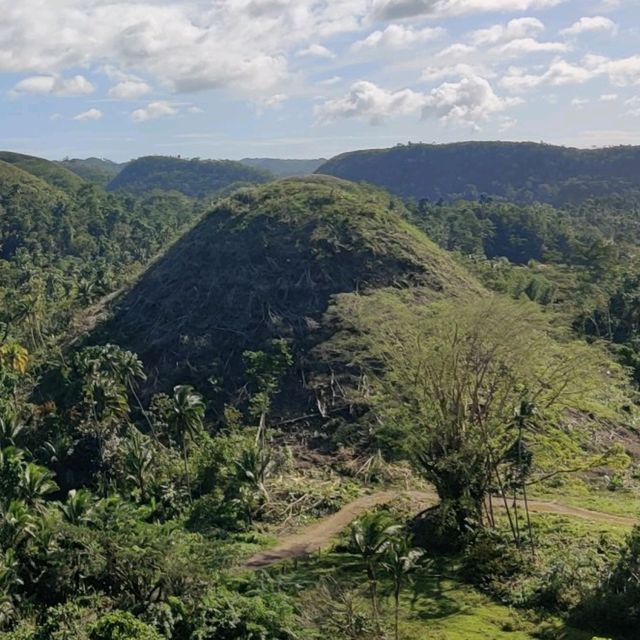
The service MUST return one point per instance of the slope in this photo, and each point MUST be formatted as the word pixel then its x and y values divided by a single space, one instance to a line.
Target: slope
pixel 98 171
pixel 51 172
pixel 196 178
pixel 285 168
pixel 521 171
pixel 266 263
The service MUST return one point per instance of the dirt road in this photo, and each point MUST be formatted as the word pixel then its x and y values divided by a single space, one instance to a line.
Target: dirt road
pixel 317 536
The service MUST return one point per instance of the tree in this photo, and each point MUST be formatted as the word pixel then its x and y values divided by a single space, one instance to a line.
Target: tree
pixel 455 375
pixel 401 559
pixel 371 536
pixel 186 420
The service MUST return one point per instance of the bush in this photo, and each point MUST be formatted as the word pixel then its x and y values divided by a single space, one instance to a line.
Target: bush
pixel 120 625
pixel 228 615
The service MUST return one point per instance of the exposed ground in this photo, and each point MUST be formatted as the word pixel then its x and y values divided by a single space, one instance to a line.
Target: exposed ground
pixel 319 535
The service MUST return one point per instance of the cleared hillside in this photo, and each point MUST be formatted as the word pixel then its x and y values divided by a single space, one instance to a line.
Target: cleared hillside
pixel 196 178
pixel 266 263
pixel 51 172
pixel 520 171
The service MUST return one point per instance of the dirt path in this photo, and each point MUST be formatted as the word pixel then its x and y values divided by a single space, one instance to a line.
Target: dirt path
pixel 320 534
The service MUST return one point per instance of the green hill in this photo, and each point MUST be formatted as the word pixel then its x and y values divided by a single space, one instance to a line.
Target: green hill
pixel 521 171
pixel 98 171
pixel 285 168
pixel 266 263
pixel 51 172
pixel 196 178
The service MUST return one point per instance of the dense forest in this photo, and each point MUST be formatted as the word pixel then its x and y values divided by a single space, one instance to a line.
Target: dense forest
pixel 519 171
pixel 285 168
pixel 307 408
pixel 196 178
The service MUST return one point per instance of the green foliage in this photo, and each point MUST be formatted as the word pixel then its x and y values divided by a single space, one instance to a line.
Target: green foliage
pixel 521 171
pixel 99 171
pixel 196 178
pixel 229 615
pixel 284 168
pixel 120 625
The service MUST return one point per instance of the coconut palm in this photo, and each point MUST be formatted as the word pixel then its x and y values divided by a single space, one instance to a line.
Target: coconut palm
pixel 401 559
pixel 371 536
pixel 186 420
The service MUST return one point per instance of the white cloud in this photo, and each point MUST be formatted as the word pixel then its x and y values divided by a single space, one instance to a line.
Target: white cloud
pixel 608 97
pixel 53 85
pixel 634 106
pixel 512 30
pixel 579 102
pixel 91 114
pixel 153 111
pixel 369 101
pixel 315 51
pixel 195 110
pixel 622 72
pixel 457 50
pixel 524 46
pixel 431 74
pixel 398 9
pixel 129 89
pixel 559 73
pixel 329 82
pixel 590 24
pixel 397 36
pixel 471 101
pixel 468 102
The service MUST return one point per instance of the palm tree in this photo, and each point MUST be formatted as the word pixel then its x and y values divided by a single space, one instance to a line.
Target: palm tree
pixel 139 461
pixel 77 509
pixel 186 420
pixel 371 535
pixel 401 559
pixel 36 483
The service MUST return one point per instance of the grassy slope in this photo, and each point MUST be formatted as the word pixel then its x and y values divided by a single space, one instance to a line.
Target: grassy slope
pixel 265 263
pixel 95 170
pixel 51 172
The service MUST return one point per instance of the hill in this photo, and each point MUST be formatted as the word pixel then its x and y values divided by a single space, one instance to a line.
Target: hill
pixel 266 263
pixel 196 178
pixel 98 171
pixel 50 172
pixel 521 171
pixel 285 168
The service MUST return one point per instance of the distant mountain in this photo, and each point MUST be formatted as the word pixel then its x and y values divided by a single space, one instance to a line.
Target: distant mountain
pixel 51 172
pixel 284 168
pixel 519 171
pixel 98 171
pixel 196 178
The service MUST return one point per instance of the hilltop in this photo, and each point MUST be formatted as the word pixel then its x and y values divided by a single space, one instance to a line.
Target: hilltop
pixel 196 178
pixel 265 263
pixel 50 172
pixel 521 171
pixel 100 171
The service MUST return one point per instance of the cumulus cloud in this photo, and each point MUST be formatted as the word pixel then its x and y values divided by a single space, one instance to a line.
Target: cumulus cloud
pixel 457 50
pixel 468 102
pixel 559 73
pixel 512 30
pixel 154 110
pixel 397 36
pixel 369 101
pixel 608 97
pixel 315 51
pixel 129 89
pixel 524 46
pixel 398 9
pixel 91 114
pixel 53 85
pixel 590 24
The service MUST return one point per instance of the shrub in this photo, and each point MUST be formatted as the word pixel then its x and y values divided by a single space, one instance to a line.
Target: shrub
pixel 120 625
pixel 228 615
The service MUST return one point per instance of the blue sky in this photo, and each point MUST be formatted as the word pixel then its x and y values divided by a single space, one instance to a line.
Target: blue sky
pixel 309 78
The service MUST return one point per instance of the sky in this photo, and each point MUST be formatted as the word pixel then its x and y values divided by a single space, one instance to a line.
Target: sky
pixel 313 78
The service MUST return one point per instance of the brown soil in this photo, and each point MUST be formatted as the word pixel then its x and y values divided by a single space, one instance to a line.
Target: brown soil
pixel 317 536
